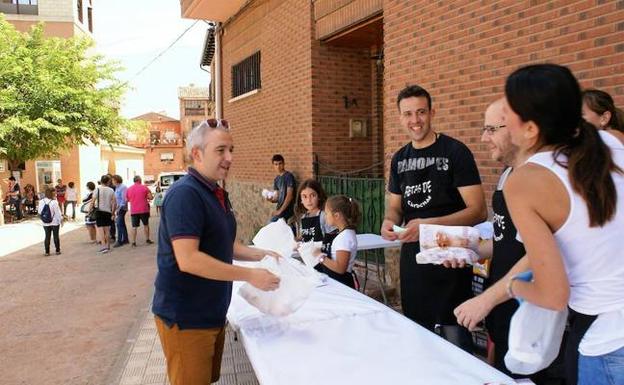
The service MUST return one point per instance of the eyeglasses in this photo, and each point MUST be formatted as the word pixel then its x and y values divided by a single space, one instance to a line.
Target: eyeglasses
pixel 214 123
pixel 491 129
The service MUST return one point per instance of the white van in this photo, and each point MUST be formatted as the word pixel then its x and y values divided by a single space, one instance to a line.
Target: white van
pixel 166 179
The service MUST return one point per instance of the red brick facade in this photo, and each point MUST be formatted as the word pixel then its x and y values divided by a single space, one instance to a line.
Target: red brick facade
pixel 163 144
pixel 461 51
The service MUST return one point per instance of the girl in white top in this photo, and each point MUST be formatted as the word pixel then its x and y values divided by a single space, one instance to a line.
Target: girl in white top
pixel 51 228
pixel 343 213
pixel 567 202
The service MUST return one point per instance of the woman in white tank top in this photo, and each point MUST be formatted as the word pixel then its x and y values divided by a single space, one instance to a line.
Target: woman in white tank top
pixel 567 202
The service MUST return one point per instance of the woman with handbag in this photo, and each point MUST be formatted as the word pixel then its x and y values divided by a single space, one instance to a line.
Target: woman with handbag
pixel 567 201
pixel 105 205
pixel 87 209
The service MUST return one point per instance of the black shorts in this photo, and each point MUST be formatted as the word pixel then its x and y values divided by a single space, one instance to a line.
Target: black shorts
pixel 104 219
pixel 136 218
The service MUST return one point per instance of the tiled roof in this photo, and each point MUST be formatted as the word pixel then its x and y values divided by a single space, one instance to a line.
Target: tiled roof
pixel 155 117
pixel 193 92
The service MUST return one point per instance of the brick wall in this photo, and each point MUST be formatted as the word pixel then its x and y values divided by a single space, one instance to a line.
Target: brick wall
pixel 341 72
pixel 461 51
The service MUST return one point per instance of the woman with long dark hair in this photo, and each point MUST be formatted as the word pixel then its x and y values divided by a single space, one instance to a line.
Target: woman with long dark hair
pixel 564 202
pixel 600 110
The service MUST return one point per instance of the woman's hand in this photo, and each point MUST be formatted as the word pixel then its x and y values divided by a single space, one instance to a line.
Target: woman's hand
pixel 473 311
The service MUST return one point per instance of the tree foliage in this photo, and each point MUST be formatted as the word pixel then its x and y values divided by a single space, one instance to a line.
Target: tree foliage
pixel 54 93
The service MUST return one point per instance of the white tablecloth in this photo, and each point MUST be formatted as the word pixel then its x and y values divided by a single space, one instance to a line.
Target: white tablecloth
pixel 374 241
pixel 340 336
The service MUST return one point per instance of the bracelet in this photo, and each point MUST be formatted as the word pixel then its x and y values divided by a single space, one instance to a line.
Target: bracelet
pixel 510 292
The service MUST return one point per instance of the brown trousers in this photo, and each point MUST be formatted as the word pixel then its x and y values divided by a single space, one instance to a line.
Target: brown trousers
pixel 193 355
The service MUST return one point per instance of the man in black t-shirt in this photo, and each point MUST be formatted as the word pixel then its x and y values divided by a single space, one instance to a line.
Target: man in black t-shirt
pixel 433 179
pixel 15 197
pixel 284 185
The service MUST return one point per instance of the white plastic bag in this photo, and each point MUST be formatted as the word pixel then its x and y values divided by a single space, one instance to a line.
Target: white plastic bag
pixel 441 243
pixel 276 236
pixel 294 289
pixel 437 255
pixel 310 253
pixel 535 337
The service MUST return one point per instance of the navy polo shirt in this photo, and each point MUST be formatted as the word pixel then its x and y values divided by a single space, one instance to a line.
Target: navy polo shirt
pixel 194 207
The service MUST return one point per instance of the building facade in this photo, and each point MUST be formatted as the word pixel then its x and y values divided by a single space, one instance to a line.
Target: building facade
pixel 195 105
pixel 318 80
pixel 163 145
pixel 81 163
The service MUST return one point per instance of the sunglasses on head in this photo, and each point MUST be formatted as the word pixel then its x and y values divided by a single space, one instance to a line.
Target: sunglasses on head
pixel 214 123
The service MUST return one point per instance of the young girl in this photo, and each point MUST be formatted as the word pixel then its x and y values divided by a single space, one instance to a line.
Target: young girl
pixel 158 199
pixel 309 216
pixel 52 227
pixel 343 213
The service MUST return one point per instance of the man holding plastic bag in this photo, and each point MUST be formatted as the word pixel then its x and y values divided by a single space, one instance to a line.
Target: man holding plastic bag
pixel 197 243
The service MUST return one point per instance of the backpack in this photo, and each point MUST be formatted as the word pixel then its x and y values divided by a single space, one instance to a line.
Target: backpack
pixel 46 214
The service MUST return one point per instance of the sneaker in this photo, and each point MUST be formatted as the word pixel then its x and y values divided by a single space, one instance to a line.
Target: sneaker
pixel 58 252
pixel 104 250
pixel 47 254
pixel 133 244
pixel 149 242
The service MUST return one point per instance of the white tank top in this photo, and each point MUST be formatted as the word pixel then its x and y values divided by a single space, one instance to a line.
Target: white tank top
pixel 593 256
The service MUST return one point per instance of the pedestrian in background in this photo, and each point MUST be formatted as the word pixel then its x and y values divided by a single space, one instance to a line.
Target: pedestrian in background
pixel 50 212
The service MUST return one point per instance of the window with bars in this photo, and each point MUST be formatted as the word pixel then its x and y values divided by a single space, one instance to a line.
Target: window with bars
pixel 79 10
pixel 246 75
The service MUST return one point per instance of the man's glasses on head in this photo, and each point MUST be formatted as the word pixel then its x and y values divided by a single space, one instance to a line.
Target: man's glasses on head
pixel 492 129
pixel 214 123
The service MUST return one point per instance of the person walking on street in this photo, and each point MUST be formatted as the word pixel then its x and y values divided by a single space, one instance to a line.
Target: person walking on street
pixel 71 198
pixel 105 205
pixel 60 194
pixel 196 246
pixel 138 195
pixel 122 209
pixel 50 212
pixel 15 197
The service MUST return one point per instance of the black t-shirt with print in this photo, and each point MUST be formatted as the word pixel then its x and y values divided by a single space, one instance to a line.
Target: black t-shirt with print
pixel 428 178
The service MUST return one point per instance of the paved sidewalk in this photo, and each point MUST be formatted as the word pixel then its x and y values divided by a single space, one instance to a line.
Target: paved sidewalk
pixel 145 362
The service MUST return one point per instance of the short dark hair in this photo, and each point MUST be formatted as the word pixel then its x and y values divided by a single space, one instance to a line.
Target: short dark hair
pixel 71 184
pixel 277 158
pixel 136 178
pixel 117 178
pixel 91 186
pixel 49 192
pixel 414 91
pixel 12 178
pixel 105 179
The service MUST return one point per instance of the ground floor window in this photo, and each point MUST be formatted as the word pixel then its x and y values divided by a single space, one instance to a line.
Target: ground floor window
pixel 48 172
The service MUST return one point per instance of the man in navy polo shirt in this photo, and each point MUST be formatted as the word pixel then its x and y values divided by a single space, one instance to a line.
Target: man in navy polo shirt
pixel 196 246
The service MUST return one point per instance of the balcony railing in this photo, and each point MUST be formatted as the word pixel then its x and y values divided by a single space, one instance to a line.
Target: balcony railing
pixel 21 7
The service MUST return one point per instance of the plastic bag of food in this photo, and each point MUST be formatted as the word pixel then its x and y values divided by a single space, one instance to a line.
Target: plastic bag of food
pixel 310 253
pixel 276 236
pixel 294 289
pixel 441 243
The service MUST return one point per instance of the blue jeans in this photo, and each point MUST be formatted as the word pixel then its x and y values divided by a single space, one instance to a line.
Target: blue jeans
pixel 120 222
pixel 607 369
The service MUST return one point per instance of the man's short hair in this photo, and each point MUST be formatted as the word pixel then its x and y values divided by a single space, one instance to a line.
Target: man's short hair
pixel 414 91
pixel 277 158
pixel 136 178
pixel 118 178
pixel 105 179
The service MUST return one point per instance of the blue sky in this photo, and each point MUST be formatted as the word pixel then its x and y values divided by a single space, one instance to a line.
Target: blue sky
pixel 134 32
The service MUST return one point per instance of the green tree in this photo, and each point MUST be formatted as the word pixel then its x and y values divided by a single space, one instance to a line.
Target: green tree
pixel 54 93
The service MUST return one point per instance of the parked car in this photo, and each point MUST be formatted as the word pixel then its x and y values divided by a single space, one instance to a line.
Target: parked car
pixel 166 179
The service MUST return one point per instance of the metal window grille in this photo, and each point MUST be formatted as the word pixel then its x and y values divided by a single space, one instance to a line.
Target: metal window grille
pixel 246 75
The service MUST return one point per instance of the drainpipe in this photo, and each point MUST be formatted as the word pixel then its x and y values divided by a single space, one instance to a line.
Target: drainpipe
pixel 217 74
